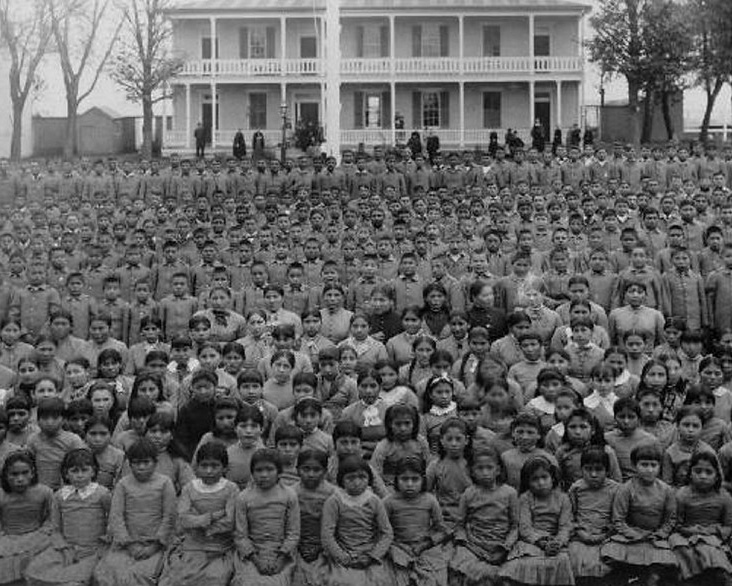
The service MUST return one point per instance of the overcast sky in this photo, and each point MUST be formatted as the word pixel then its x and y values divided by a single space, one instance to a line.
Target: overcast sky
pixel 51 103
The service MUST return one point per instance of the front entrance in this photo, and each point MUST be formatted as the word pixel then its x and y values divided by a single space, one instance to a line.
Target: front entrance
pixel 308 113
pixel 543 113
pixel 207 116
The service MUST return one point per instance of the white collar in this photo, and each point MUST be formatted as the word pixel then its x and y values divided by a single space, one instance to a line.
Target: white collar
pixel 440 411
pixel 542 405
pixel 595 400
pixel 201 486
pixel 67 491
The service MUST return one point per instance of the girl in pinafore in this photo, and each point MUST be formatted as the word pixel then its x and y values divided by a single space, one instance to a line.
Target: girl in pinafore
pixel 704 526
pixel 592 498
pixel 402 439
pixel 439 406
pixel 355 530
pixel 25 516
pixel 79 515
pixel 449 476
pixel 141 522
pixel 416 554
pixel 311 567
pixel 644 514
pixel 545 526
pixel 206 518
pixel 267 526
pixel 487 523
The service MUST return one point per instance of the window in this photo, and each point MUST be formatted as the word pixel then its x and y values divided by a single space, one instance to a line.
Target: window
pixel 431 109
pixel 258 110
pixel 491 110
pixel 542 45
pixel 308 48
pixel 491 41
pixel 372 42
pixel 373 111
pixel 431 46
pixel 258 43
pixel 206 52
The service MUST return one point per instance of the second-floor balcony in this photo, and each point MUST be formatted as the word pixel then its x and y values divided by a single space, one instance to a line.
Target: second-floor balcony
pixel 384 67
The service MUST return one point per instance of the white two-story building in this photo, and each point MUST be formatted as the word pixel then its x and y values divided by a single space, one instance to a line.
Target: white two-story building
pixel 461 68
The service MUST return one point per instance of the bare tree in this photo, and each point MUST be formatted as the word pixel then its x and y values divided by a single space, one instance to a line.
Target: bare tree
pixel 142 64
pixel 84 42
pixel 25 33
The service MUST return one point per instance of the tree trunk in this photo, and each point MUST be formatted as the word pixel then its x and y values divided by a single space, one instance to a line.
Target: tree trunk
pixel 712 93
pixel 71 145
pixel 649 107
pixel 633 90
pixel 147 126
pixel 667 119
pixel 16 141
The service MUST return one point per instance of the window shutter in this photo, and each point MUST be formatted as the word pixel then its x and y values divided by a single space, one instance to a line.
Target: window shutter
pixel 384 32
pixel 444 41
pixel 416 41
pixel 358 109
pixel 444 109
pixel 243 43
pixel 359 42
pixel 416 110
pixel 386 117
pixel 270 52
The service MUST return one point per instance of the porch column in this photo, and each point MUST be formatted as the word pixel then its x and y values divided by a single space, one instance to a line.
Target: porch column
pixel 531 41
pixel 283 44
pixel 532 97
pixel 559 103
pixel 333 77
pixel 164 129
pixel 214 114
pixel 461 39
pixel 392 122
pixel 462 113
pixel 581 86
pixel 188 115
pixel 392 41
pixel 214 69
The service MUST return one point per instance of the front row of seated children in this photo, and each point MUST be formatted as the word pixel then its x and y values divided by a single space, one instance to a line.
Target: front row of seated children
pixel 455 519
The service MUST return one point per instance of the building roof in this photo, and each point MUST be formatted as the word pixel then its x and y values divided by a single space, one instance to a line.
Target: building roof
pixel 210 6
pixel 106 110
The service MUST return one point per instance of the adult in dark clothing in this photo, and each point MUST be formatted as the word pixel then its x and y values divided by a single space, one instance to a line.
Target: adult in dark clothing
pixel 537 136
pixel 240 145
pixel 491 318
pixel 557 142
pixel 415 143
pixel 589 138
pixel 433 146
pixel 258 144
pixel 200 135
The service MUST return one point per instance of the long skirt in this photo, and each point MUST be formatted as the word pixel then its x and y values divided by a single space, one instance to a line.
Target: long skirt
pixel 16 552
pixel 197 568
pixel 247 574
pixel 427 569
pixel 119 568
pixel 699 553
pixel 528 564
pixel 63 566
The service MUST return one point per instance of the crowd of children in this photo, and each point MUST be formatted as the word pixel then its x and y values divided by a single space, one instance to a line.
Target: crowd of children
pixel 398 369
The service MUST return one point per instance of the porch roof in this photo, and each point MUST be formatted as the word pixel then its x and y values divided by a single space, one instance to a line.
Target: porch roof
pixel 209 7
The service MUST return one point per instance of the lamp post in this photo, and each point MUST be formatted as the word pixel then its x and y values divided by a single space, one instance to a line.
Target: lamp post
pixel 283 146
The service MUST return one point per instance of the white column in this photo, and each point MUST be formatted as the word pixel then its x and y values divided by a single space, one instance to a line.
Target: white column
pixel 214 69
pixel 164 130
pixel 283 43
pixel 581 102
pixel 392 41
pixel 531 41
pixel 214 113
pixel 462 113
pixel 333 76
pixel 559 104
pixel 532 97
pixel 461 38
pixel 188 115
pixel 392 122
